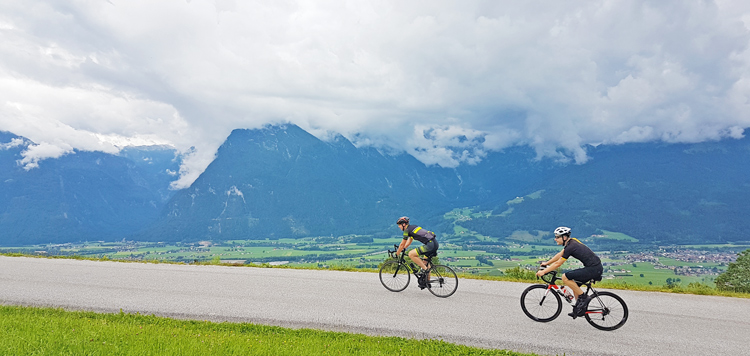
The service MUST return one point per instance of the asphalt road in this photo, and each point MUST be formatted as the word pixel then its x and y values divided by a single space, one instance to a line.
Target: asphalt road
pixel 481 313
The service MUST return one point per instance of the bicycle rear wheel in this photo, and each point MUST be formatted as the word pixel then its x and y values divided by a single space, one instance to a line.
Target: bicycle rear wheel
pixel 606 311
pixel 394 276
pixel 442 281
pixel 540 303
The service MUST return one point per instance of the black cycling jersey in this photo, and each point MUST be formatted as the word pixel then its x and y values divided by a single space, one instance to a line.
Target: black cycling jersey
pixel 577 249
pixel 418 233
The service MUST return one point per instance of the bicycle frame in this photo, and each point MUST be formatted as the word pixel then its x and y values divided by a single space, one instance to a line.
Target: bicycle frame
pixel 413 268
pixel 552 286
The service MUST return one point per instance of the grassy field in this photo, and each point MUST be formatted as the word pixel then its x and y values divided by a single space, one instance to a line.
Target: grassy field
pixel 609 235
pixel 468 252
pixel 45 331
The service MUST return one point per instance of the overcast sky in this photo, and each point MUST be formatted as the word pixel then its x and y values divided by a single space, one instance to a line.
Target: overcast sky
pixel 446 81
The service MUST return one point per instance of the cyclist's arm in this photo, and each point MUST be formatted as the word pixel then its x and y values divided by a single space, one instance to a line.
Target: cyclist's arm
pixel 553 259
pixel 555 265
pixel 404 244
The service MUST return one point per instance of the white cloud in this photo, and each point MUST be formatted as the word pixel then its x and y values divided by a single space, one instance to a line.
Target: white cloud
pixel 16 142
pixel 444 81
pixel 447 146
pixel 35 153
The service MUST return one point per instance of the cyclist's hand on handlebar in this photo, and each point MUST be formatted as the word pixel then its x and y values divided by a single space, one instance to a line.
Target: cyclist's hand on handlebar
pixel 540 273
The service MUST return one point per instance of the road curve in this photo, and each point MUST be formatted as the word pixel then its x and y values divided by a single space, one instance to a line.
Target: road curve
pixel 481 313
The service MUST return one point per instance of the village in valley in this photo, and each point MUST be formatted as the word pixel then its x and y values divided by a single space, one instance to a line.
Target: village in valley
pixel 695 262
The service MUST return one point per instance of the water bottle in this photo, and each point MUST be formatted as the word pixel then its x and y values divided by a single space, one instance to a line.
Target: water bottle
pixel 412 266
pixel 568 294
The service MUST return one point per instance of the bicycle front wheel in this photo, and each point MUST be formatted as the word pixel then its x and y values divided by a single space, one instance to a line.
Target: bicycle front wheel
pixel 541 303
pixel 606 311
pixel 442 281
pixel 394 276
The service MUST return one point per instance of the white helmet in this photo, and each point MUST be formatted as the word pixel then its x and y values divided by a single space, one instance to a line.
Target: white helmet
pixel 562 230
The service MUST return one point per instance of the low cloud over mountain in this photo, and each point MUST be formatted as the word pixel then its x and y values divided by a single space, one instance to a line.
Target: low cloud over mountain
pixel 281 181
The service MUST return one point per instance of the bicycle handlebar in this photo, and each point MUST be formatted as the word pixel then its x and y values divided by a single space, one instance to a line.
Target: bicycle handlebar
pixel 552 276
pixel 393 253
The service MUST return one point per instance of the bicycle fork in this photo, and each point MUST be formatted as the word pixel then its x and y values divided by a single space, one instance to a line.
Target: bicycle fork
pixel 398 268
pixel 554 289
pixel 546 293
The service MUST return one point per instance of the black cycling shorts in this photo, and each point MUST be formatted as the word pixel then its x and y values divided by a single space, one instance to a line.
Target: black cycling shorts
pixel 430 246
pixel 585 274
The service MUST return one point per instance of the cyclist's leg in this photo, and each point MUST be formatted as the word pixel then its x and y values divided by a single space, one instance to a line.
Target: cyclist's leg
pixel 574 278
pixel 420 251
pixel 569 278
pixel 414 255
pixel 433 246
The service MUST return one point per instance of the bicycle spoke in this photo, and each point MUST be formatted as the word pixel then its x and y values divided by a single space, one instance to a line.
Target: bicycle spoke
pixel 442 281
pixel 540 303
pixel 606 311
pixel 394 276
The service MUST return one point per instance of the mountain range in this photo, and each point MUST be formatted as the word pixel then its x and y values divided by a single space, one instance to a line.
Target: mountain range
pixel 281 181
pixel 83 195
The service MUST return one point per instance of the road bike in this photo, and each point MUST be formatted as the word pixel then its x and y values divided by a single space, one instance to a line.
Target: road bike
pixel 395 274
pixel 543 303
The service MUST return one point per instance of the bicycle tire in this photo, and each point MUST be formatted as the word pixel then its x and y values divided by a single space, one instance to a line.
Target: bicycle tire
pixel 394 276
pixel 606 311
pixel 537 304
pixel 442 281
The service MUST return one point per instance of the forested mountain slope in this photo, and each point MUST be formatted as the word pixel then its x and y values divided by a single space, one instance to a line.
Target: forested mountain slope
pixel 658 193
pixel 281 181
pixel 81 196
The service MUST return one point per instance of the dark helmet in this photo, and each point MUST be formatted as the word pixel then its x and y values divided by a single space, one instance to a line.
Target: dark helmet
pixel 402 220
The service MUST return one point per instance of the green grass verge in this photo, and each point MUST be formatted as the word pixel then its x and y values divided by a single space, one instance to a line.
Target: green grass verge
pixel 46 331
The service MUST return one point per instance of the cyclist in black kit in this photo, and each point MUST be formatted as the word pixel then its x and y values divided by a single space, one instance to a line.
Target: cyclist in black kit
pixel 592 266
pixel 412 232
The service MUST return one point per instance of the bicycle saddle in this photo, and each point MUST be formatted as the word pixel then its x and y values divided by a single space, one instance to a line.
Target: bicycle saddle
pixel 431 254
pixel 594 280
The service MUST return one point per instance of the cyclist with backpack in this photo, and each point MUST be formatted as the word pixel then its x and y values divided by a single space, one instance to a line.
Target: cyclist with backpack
pixel 592 267
pixel 427 238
